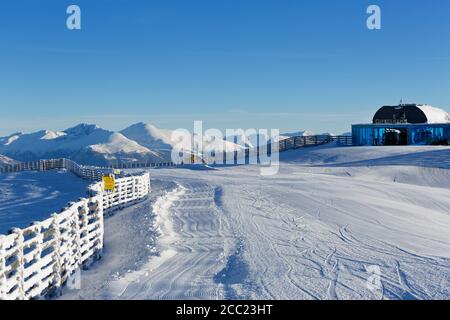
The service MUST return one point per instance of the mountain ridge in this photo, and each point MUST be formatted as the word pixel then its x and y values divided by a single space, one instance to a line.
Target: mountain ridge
pixel 4 160
pixel 92 145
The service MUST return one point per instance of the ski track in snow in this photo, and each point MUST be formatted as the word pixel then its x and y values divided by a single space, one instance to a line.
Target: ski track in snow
pixel 192 245
pixel 306 233
pixel 195 240
pixel 299 243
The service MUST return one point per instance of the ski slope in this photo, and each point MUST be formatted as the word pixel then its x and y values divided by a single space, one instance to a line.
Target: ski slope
pixel 314 231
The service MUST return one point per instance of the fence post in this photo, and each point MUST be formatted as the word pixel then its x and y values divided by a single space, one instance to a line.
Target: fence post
pixel 39 241
pixel 76 220
pixel 2 268
pixel 20 262
pixel 57 281
pixel 100 213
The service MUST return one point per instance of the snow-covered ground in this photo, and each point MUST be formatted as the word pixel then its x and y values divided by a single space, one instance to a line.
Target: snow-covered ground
pixel 29 196
pixel 320 229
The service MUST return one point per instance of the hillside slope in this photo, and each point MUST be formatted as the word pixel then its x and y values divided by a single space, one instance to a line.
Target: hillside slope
pixel 320 229
pixel 161 139
pixel 88 144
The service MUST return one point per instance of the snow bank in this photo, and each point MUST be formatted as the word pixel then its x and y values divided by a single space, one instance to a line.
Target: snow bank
pixel 332 154
pixel 161 209
pixel 32 196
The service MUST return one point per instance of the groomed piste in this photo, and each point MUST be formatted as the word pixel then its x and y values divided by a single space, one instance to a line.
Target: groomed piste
pixel 332 218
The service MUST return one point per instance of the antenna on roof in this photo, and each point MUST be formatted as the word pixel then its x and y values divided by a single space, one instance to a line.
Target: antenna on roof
pixel 401 101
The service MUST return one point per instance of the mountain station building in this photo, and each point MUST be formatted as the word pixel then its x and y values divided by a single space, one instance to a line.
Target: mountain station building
pixel 405 124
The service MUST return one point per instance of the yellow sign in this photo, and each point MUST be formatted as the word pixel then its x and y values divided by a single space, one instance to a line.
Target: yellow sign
pixel 108 182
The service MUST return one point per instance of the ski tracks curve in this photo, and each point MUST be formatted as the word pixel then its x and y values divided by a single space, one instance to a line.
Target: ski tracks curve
pixel 193 248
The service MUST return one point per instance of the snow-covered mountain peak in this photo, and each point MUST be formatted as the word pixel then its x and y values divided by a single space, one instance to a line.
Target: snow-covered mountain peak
pixel 303 133
pixel 155 138
pixel 10 139
pixel 82 129
pixel 50 135
pixel 149 136
pixel 117 142
pixel 91 144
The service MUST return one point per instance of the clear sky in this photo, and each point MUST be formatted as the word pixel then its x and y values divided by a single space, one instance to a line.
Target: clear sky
pixel 287 64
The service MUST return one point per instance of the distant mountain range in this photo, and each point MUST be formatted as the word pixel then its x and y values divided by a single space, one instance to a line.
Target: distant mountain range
pixel 91 145
pixel 161 140
pixel 88 144
pixel 6 161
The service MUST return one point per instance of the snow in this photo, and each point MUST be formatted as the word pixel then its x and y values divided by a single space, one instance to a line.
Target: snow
pixel 89 144
pixel 6 161
pixel 434 115
pixel 308 133
pixel 10 139
pixel 149 136
pixel 119 143
pixel 313 231
pixel 50 135
pixel 85 143
pixel 28 196
pixel 247 141
pixel 330 154
pixel 328 134
pixel 46 142
pixel 130 239
pixel 161 139
pixel 304 133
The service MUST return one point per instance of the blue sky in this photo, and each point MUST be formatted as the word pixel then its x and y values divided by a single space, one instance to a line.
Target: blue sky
pixel 285 64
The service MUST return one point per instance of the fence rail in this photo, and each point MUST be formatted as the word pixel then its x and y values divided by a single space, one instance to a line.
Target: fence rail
pixel 37 261
pixel 306 141
pixel 84 172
